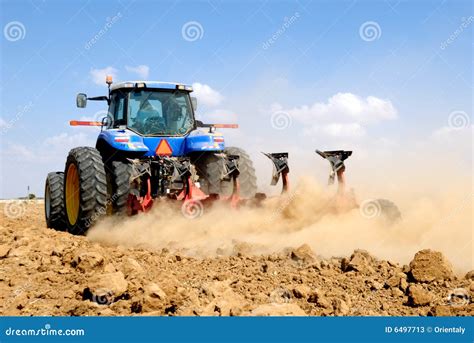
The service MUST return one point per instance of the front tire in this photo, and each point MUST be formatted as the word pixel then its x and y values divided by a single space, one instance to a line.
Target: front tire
pixel 54 201
pixel 85 189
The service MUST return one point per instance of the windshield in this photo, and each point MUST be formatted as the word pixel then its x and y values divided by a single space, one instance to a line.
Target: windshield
pixel 158 112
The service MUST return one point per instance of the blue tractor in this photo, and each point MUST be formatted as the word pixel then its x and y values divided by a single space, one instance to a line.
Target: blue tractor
pixel 150 146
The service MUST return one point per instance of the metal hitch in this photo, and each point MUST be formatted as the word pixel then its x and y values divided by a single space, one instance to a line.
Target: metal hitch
pixel 280 167
pixel 181 169
pixel 181 173
pixel 139 198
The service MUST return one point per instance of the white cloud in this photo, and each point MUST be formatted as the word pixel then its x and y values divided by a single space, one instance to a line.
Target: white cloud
pixel 346 107
pixel 20 152
pixel 51 146
pixel 453 141
pixel 3 123
pixel 343 115
pixel 98 75
pixel 206 95
pixel 448 132
pixel 349 130
pixel 220 116
pixel 66 141
pixel 143 71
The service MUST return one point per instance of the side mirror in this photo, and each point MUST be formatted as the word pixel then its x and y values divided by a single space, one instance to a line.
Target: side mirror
pixel 107 121
pixel 81 100
pixel 194 101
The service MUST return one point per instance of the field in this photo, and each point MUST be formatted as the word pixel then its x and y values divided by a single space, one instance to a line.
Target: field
pixel 107 273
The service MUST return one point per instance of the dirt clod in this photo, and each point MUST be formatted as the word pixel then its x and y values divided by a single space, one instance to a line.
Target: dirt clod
pixel 87 261
pixel 429 266
pixel 418 296
pixel 105 288
pixel 360 261
pixel 303 254
pixel 470 275
pixel 4 250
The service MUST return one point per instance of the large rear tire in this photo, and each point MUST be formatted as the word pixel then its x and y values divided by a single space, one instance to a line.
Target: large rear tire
pixel 210 169
pixel 85 189
pixel 54 201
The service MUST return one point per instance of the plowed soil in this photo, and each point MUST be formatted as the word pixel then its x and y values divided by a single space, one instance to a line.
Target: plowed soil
pixel 46 272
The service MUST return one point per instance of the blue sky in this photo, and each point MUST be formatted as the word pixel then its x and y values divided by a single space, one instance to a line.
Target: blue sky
pixel 378 77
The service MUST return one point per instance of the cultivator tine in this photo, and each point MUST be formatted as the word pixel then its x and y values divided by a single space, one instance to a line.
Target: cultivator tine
pixel 231 172
pixel 280 167
pixel 336 159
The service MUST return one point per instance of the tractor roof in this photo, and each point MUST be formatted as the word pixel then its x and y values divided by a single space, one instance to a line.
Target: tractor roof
pixel 151 84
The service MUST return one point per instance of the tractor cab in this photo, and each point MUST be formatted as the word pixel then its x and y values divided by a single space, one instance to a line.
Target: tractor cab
pixel 148 108
pixel 148 118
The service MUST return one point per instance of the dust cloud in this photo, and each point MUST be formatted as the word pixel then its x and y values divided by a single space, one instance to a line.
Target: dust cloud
pixel 307 215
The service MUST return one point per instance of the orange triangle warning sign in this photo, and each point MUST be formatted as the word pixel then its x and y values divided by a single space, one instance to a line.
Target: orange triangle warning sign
pixel 163 148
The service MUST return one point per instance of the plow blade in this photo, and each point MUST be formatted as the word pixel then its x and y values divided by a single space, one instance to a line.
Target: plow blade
pixel 336 159
pixel 280 167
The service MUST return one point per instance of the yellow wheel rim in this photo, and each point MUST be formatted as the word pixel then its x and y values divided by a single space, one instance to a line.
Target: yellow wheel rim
pixel 72 194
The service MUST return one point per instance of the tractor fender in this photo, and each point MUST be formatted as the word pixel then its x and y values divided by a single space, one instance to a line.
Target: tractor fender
pixel 199 140
pixel 123 139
